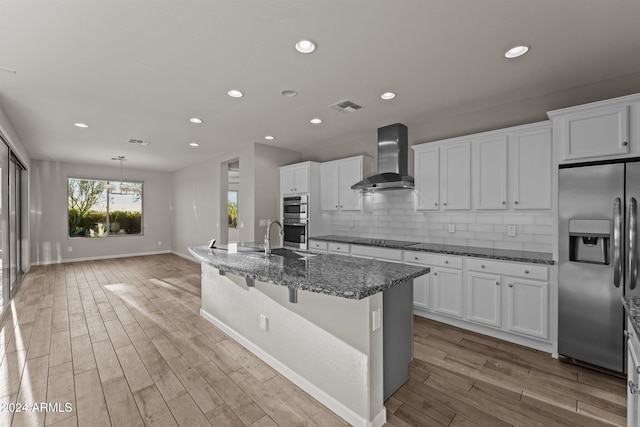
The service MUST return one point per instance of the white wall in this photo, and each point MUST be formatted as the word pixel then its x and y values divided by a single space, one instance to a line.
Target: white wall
pixel 49 241
pixel 393 217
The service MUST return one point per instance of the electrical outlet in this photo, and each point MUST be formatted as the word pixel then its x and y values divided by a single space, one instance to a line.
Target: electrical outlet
pixel 159 242
pixel 69 249
pixel 452 228
pixel 241 224
pixel 511 231
pixel 375 320
pixel 263 223
pixel 264 322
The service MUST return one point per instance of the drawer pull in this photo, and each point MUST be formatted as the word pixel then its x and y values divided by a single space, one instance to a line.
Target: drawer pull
pixel 483 266
pixel 415 257
pixel 638 369
pixel 504 203
pixel 436 203
pixel 435 274
pixel 526 272
pixel 445 203
pixel 511 285
pixel 446 262
pixel 633 389
pixel 516 202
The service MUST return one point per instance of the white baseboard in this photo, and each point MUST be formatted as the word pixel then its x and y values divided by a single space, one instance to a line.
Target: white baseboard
pixel 318 394
pixel 63 261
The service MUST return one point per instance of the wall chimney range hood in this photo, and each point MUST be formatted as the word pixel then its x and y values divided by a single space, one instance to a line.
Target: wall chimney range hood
pixel 393 161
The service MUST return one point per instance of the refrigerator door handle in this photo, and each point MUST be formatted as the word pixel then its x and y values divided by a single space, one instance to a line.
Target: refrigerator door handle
pixel 617 246
pixel 633 250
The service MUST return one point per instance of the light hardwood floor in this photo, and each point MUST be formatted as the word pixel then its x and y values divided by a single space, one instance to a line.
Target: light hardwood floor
pixel 122 342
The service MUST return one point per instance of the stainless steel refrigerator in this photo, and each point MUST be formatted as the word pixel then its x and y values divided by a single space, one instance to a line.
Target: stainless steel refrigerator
pixel 598 259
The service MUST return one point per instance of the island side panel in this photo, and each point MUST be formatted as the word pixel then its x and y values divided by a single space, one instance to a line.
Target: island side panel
pixel 324 344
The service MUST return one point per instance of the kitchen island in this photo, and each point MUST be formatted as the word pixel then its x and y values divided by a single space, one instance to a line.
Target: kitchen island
pixel 337 327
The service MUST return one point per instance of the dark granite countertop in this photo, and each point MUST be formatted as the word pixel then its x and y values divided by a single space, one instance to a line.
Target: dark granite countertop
pixel 470 251
pixel 632 307
pixel 337 275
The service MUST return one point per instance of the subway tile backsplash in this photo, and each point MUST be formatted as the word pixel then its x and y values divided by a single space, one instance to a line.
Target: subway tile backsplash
pixel 393 217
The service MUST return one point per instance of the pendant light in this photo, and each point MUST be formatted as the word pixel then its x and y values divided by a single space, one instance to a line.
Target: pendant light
pixel 124 188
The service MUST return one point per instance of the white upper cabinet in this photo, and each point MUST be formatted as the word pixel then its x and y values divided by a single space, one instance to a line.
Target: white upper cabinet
pixel 427 179
pixel 490 172
pixel 456 176
pixel 532 167
pixel 336 179
pixel 602 132
pixel 597 131
pixel 294 179
pixel 511 169
pixel 329 184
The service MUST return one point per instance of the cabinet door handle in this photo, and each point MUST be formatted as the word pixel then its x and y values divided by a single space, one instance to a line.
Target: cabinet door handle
pixel 504 203
pixel 516 202
pixel 497 283
pixel 435 274
pixel 633 389
pixel 511 285
pixel 483 266
pixel 625 143
pixel 445 203
pixel 638 369
pixel 628 334
pixel 436 203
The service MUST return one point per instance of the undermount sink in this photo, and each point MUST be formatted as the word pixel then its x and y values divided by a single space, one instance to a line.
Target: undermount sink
pixel 288 253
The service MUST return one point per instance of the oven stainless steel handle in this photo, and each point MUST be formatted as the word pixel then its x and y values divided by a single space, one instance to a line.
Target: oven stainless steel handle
pixel 633 244
pixel 296 224
pixel 617 246
pixel 294 203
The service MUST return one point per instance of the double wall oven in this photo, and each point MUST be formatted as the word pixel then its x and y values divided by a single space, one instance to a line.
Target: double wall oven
pixel 295 221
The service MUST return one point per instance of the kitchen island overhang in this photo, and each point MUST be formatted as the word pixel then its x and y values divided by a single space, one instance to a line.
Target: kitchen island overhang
pixel 330 343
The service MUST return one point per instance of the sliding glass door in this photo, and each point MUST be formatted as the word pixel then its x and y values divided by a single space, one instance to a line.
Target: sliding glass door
pixel 4 222
pixel 13 183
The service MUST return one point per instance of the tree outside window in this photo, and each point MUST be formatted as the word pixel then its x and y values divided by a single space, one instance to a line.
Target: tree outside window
pixel 232 208
pixel 94 211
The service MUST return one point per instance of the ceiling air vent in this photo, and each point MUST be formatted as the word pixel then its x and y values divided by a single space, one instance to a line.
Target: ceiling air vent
pixel 345 106
pixel 139 142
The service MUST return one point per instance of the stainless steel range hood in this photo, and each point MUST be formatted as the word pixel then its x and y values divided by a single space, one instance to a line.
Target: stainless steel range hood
pixel 393 160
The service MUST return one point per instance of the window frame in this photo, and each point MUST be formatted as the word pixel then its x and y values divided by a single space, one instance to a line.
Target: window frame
pixel 107 180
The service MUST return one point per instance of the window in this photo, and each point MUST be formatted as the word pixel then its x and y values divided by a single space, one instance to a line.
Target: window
pixel 97 208
pixel 232 208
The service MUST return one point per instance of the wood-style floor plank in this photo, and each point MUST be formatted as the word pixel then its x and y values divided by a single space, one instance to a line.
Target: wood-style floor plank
pixel 122 342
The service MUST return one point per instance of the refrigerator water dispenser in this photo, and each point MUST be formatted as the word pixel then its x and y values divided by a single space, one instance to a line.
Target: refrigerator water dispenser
pixel 589 240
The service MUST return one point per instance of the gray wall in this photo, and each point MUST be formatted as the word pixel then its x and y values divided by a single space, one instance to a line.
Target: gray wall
pixel 199 205
pixel 49 241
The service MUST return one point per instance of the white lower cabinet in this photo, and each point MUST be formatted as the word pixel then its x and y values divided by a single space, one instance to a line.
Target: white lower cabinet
pixel 447 291
pixel 633 377
pixel 508 300
pixel 422 292
pixel 484 294
pixel 528 307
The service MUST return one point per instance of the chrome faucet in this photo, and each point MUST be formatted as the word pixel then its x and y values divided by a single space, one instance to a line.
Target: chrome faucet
pixel 267 241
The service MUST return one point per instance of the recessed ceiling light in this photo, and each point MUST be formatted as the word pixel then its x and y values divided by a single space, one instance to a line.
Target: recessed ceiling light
pixel 516 51
pixel 305 46
pixel 81 125
pixel 196 120
pixel 194 144
pixel 316 121
pixel 234 93
pixel 269 138
pixel 388 95
pixel 289 93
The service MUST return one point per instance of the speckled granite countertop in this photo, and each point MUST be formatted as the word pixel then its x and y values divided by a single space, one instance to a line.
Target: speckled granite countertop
pixel 337 275
pixel 470 251
pixel 632 307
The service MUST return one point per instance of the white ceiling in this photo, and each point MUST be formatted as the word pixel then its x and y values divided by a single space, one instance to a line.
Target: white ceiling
pixel 140 68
